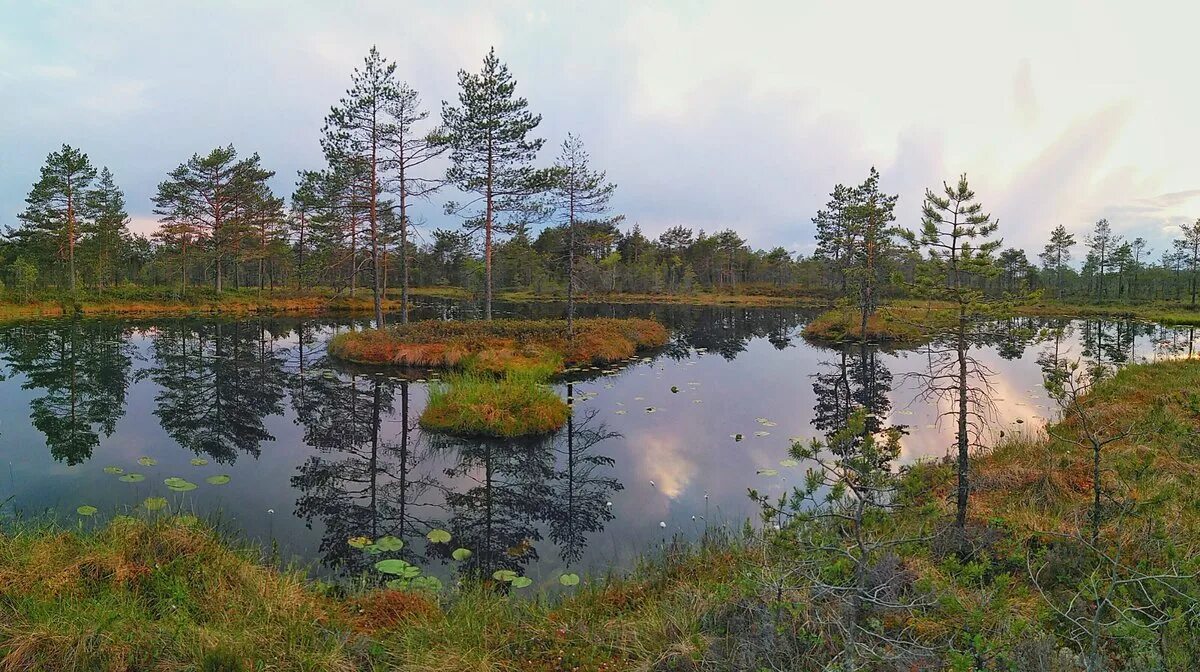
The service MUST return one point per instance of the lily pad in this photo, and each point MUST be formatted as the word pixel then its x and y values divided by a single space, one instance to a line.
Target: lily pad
pixel 461 554
pixel 438 536
pixel 199 461
pixel 179 484
pixel 147 461
pixel 768 472
pixel 86 510
pixel 430 583
pixel 789 463
pixel 389 543
pixel 398 567
pixel 358 542
pixel 132 478
pixel 154 503
pixel 521 582
pixel 761 434
pixel 220 479
pixel 504 575
pixel 113 470
pixel 569 579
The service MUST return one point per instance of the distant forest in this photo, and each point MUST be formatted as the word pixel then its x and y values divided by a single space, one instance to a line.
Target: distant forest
pixel 347 225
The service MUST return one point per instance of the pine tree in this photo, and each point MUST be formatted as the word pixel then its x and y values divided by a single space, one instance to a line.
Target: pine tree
pixel 868 233
pixel 361 128
pixel 1188 245
pixel 406 155
pixel 1056 255
pixel 197 202
pixel 108 232
pixel 955 234
pixel 578 192
pixel 57 204
pixel 1102 243
pixel 491 153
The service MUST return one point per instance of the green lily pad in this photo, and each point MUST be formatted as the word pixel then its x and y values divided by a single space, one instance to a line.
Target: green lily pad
pixel 389 543
pixel 398 567
pixel 220 479
pixel 132 478
pixel 505 575
pixel 113 470
pixel 199 461
pixel 438 536
pixel 789 463
pixel 569 579
pixel 521 582
pixel 358 542
pixel 461 554
pixel 147 461
pixel 154 503
pixel 86 510
pixel 179 484
pixel 768 472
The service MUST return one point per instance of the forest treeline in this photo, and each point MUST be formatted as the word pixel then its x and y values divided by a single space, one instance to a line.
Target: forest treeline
pixel 524 225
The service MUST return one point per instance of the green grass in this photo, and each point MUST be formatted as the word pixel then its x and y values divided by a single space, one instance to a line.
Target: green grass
pixel 515 403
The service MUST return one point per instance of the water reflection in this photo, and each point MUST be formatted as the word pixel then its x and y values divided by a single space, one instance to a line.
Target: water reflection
pixel 319 453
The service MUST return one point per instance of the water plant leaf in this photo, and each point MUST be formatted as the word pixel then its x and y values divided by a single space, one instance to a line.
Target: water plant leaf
pixel 789 463
pixel 179 484
pixel 358 542
pixel 132 478
pixel 521 582
pixel 398 567
pixel 113 470
pixel 154 503
pixel 504 575
pixel 461 554
pixel 762 434
pixel 768 472
pixel 569 579
pixel 86 510
pixel 147 461
pixel 220 479
pixel 438 536
pixel 389 543
pixel 199 461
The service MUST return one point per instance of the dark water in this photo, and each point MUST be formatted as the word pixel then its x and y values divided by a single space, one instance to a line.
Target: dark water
pixel 317 453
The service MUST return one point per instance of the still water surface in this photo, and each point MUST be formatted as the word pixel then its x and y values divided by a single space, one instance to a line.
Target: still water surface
pixel 318 453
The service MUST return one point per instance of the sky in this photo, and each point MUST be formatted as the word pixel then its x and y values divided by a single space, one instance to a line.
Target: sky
pixel 710 115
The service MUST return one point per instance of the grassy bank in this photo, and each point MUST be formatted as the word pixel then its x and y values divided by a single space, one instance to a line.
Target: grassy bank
pixel 750 296
pixel 514 403
pixel 151 302
pixel 500 345
pixel 170 594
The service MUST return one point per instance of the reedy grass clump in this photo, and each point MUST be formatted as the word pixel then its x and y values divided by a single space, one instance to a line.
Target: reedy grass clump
pixel 515 403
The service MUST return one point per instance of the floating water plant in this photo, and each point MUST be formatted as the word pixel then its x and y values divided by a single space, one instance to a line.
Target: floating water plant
pixel 220 479
pixel 569 579
pixel 132 478
pixel 768 472
pixel 113 470
pixel 199 461
pixel 86 510
pixel 461 554
pixel 398 567
pixel 179 484
pixel 521 582
pixel 387 544
pixel 147 461
pixel 438 536
pixel 504 575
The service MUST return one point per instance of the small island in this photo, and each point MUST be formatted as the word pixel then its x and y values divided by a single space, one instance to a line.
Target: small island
pixel 499 368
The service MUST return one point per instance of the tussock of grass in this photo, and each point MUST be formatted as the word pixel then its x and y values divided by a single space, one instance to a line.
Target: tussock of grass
pixel 500 345
pixel 897 323
pixel 512 404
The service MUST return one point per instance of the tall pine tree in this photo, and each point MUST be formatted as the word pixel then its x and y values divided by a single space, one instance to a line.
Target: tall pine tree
pixel 57 204
pixel 491 155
